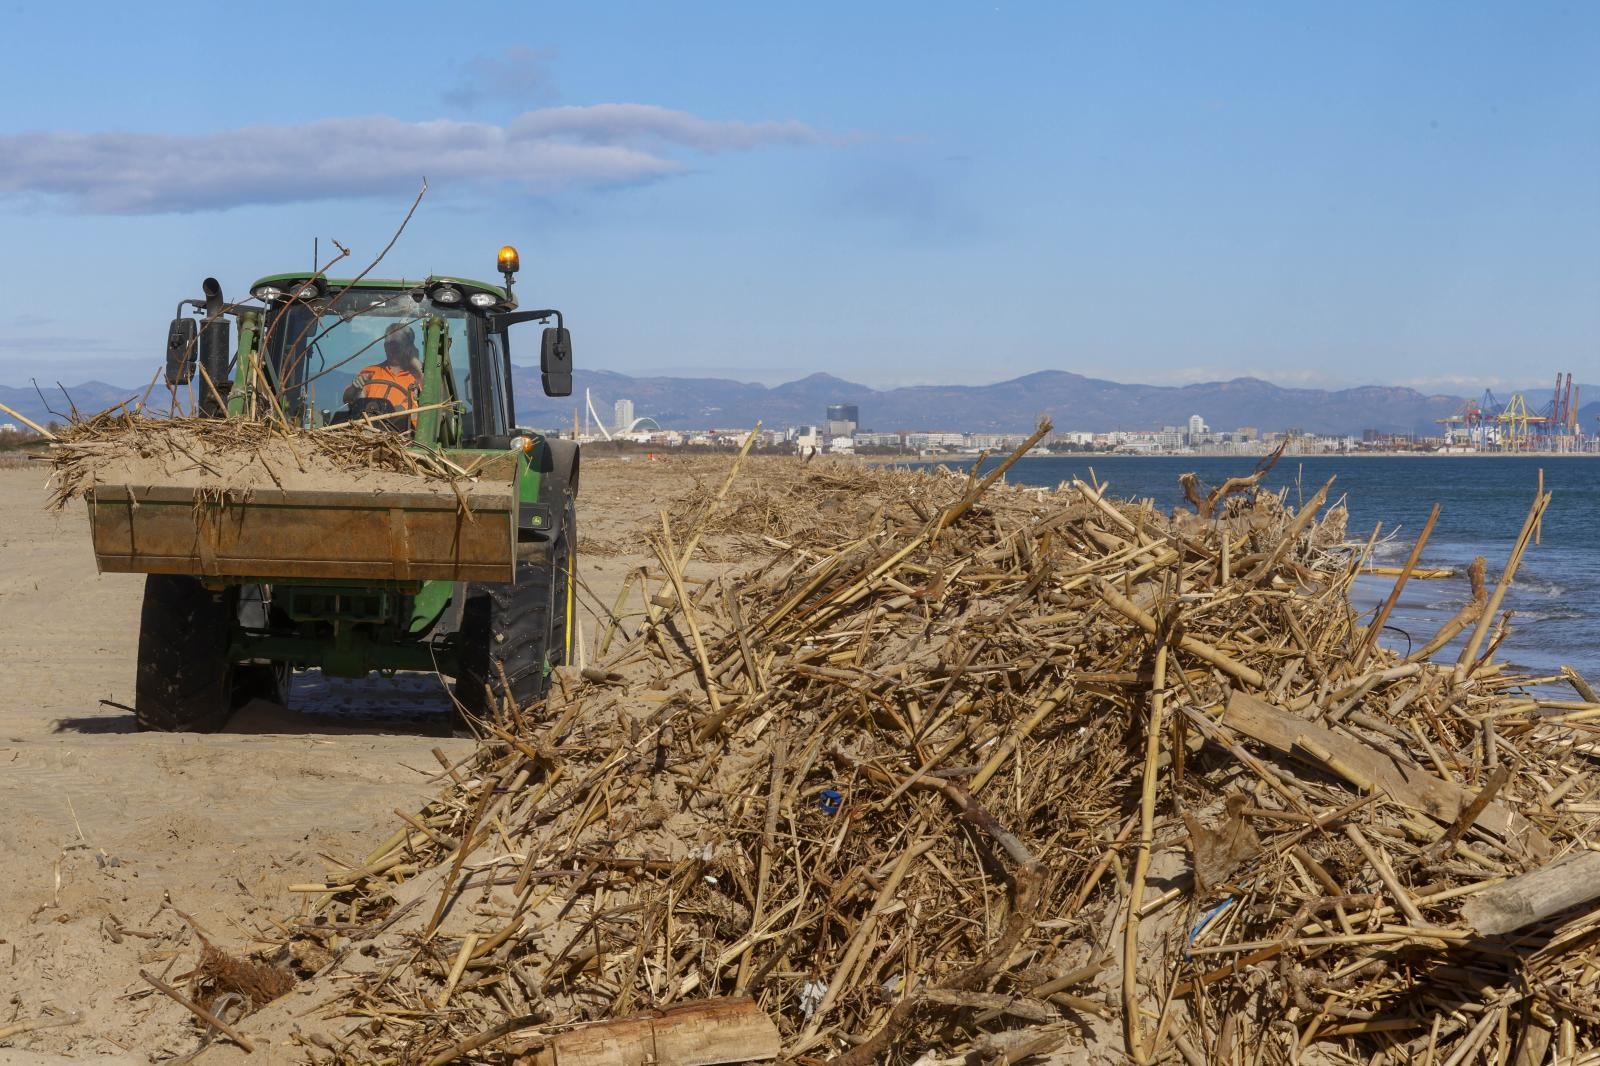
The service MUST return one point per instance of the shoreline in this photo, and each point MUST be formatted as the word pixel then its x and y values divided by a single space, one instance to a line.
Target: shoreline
pixel 968 457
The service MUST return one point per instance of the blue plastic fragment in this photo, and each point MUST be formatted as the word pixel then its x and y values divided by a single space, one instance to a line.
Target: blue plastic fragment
pixel 830 800
pixel 1205 920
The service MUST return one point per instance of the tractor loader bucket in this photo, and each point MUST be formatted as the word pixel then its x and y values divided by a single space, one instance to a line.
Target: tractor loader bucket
pixel 438 531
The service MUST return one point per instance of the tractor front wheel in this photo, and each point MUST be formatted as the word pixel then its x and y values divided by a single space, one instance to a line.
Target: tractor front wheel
pixel 261 681
pixel 514 635
pixel 184 681
pixel 505 636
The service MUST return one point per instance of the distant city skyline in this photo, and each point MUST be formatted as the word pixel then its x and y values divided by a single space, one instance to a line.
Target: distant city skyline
pixel 1362 194
pixel 1471 431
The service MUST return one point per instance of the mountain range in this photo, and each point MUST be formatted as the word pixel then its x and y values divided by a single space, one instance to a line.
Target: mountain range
pixel 1073 402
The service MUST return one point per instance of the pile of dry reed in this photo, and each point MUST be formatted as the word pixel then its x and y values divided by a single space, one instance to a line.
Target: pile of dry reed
pixel 132 448
pixel 954 771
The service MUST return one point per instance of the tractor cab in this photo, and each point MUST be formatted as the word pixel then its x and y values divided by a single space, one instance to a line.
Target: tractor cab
pixel 416 345
pixel 432 356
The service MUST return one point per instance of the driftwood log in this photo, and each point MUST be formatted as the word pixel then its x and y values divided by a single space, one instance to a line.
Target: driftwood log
pixel 693 1034
pixel 1568 882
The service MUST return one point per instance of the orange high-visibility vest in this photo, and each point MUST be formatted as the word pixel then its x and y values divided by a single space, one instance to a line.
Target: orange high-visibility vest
pixel 399 386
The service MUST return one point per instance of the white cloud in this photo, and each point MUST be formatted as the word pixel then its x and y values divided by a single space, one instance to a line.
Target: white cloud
pixel 347 158
pixel 632 123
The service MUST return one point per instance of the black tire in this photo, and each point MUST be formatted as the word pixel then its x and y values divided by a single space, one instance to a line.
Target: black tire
pixel 505 629
pixel 184 681
pixel 564 589
pixel 520 629
pixel 260 681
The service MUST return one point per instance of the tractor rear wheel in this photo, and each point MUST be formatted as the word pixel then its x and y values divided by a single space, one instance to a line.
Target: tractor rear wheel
pixel 184 681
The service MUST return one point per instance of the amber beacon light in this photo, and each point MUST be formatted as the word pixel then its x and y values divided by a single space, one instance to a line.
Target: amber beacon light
pixel 510 262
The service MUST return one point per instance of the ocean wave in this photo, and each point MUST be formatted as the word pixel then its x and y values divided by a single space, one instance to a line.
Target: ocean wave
pixel 1540 586
pixel 1391 549
pixel 1446 606
pixel 1559 614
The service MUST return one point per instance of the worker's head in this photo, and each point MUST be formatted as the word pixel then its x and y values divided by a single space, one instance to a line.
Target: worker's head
pixel 400 347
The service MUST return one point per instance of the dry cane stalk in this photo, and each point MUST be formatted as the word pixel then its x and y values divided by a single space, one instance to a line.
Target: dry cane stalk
pixel 863 936
pixel 30 423
pixel 200 1012
pixel 670 565
pixel 1193 646
pixel 1289 536
pixel 764 866
pixel 1376 628
pixel 72 1017
pixel 694 538
pixel 1133 1035
pixel 1469 654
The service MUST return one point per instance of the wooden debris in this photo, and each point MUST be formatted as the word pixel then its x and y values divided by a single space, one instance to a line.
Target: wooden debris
pixel 1424 573
pixel 1369 768
pixel 200 1012
pixel 33 1025
pixel 1568 882
pixel 691 1034
pixel 930 750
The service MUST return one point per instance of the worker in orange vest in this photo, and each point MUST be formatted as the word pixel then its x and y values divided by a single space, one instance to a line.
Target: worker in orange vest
pixel 398 378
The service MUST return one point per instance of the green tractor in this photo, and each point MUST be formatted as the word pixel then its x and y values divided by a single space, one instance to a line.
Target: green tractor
pixel 474 583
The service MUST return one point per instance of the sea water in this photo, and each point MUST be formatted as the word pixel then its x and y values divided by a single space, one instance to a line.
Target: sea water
pixel 1484 501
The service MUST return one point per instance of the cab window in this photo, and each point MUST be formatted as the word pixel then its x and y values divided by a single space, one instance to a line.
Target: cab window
pixel 491 401
pixel 316 354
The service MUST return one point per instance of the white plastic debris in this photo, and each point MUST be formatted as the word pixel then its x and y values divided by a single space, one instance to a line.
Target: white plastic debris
pixel 811 994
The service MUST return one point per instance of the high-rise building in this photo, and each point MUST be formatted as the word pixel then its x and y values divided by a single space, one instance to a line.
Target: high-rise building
pixel 624 415
pixel 1197 429
pixel 843 419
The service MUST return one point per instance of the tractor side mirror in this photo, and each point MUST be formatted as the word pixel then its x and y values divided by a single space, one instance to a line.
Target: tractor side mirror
pixel 555 361
pixel 555 347
pixel 180 351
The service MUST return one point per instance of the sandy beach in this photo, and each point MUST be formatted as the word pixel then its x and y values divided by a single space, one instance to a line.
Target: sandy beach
pixel 110 833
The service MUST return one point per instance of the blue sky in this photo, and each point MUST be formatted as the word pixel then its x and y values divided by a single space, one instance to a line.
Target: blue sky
pixel 894 193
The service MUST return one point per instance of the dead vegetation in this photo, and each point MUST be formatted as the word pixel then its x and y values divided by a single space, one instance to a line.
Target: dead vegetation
pixel 230 454
pixel 954 771
pixel 220 974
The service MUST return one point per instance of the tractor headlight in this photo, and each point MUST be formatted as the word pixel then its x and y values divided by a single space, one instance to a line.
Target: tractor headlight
pixel 267 293
pixel 482 299
pixel 444 294
pixel 308 291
